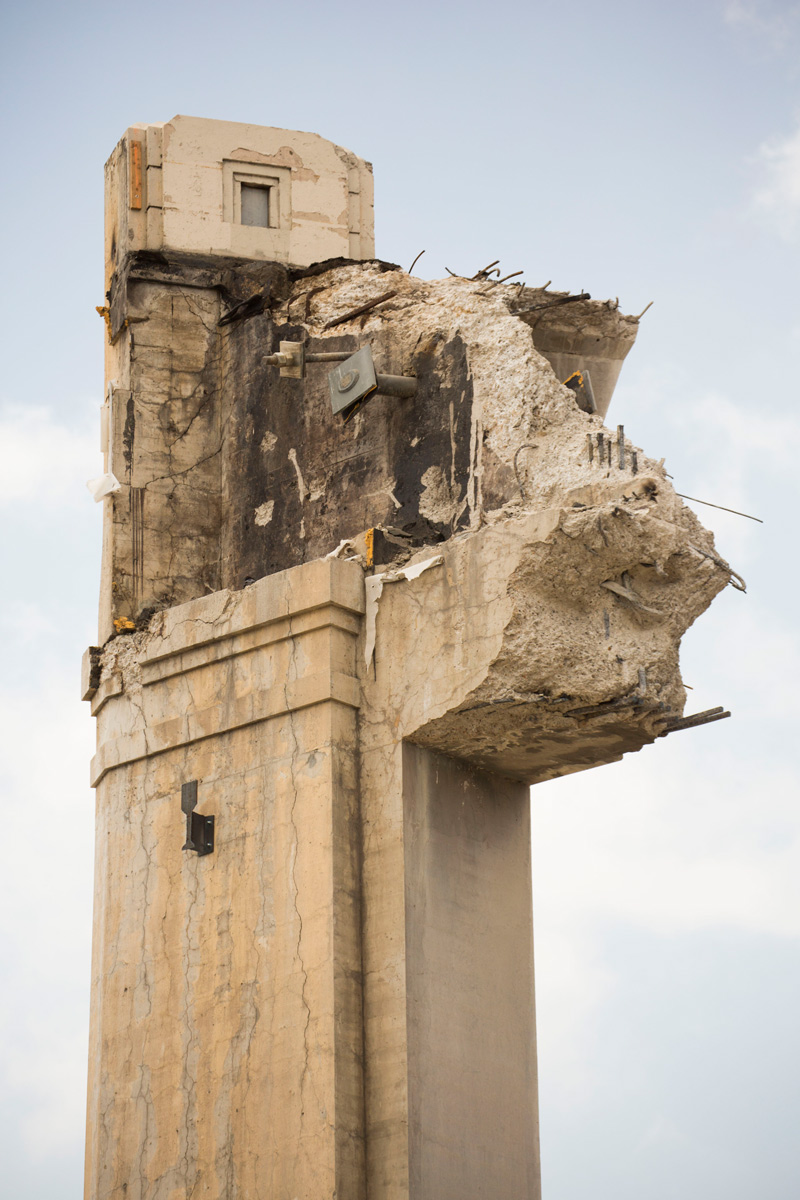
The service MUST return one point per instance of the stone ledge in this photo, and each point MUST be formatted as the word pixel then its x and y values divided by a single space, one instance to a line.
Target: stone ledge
pixel 109 687
pixel 286 594
pixel 321 688
pixel 179 662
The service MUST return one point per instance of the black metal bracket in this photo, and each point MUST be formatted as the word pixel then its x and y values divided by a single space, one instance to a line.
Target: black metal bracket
pixel 199 828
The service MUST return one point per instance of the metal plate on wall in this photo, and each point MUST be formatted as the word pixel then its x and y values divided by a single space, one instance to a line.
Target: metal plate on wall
pixel 352 381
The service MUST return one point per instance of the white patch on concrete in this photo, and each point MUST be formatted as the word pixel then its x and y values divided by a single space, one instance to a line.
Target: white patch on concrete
pixel 386 491
pixel 268 442
pixel 263 514
pixel 301 487
pixel 436 501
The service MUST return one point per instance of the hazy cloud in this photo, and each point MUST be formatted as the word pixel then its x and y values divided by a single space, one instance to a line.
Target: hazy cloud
pixel 44 460
pixel 728 457
pixel 777 198
pixel 776 25
pixel 46 742
pixel 637 830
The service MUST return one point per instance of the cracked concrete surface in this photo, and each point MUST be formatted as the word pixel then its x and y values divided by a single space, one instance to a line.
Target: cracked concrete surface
pixel 224 1003
pixel 338 1001
pixel 229 471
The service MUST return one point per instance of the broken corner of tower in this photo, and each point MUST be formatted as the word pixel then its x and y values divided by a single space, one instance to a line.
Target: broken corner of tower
pixel 375 564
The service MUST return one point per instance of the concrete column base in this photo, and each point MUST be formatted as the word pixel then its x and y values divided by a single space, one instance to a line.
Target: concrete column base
pixel 226 1031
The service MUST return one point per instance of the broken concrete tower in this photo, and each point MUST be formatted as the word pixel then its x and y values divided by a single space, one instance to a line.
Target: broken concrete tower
pixel 336 648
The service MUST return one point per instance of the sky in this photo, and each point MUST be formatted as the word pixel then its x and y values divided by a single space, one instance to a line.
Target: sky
pixel 649 151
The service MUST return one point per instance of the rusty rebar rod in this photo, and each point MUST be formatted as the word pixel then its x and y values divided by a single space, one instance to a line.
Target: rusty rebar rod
pixel 357 312
pixel 695 720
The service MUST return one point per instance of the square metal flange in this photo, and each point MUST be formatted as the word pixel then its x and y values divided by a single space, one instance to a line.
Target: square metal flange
pixel 352 382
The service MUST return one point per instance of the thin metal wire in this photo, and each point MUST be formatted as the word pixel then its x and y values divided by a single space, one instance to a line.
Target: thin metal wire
pixel 735 511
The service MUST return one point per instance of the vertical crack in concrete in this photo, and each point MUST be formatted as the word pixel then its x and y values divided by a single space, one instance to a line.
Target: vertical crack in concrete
pixel 295 750
pixel 188 1083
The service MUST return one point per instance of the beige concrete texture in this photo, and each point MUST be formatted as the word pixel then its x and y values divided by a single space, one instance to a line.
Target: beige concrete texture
pixel 228 1037
pixel 176 185
pixel 508 654
pixel 579 335
pixel 310 978
pixel 207 442
pixel 337 1002
pixel 472 1104
pixel 225 1053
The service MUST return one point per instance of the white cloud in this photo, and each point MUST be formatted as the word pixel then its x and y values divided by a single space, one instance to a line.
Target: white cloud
pixel 25 622
pixel 684 838
pixel 572 984
pixel 43 1059
pixel 747 656
pixel 777 198
pixel 671 842
pixel 737 459
pixel 43 461
pixel 46 814
pixel 774 25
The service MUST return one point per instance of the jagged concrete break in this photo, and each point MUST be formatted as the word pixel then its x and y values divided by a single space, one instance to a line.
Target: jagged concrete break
pixel 363 640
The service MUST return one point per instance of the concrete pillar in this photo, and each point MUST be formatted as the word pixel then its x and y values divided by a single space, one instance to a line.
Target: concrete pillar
pixel 472 1103
pixel 238 995
pixel 226 1033
pixel 337 1002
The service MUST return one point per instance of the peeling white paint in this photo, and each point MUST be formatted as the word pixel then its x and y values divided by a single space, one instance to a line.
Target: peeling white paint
pixel 416 569
pixel 373 586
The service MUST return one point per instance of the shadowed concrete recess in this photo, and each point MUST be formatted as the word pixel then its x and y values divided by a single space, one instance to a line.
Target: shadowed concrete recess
pixel 362 639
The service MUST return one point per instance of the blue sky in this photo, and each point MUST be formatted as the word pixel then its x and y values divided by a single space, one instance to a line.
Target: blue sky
pixel 649 151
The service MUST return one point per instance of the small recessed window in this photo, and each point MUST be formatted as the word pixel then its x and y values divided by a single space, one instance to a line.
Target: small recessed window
pixel 255 205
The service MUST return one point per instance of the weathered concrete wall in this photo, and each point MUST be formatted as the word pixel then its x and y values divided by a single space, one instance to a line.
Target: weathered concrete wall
pixel 364 641
pixel 350 866
pixel 231 472
pixel 175 185
pixel 226 1053
pixel 578 334
pixel 506 653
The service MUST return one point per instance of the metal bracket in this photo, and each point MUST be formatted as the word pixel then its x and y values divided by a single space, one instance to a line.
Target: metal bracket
pixel 351 384
pixel 199 828
pixel 296 353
